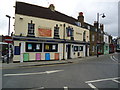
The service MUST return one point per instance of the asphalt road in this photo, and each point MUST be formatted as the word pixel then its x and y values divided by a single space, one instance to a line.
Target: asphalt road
pixel 93 73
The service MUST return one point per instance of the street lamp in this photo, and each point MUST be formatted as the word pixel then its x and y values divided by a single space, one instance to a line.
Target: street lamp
pixel 103 16
pixel 8 24
pixel 8 35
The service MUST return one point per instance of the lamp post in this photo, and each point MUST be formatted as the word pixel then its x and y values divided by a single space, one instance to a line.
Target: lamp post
pixel 8 35
pixel 8 24
pixel 103 16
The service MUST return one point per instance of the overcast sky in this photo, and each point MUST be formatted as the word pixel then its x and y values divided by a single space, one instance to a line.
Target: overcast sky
pixel 90 8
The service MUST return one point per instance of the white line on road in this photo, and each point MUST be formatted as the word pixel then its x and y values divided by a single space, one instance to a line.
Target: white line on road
pixel 22 74
pixel 116 81
pixel 65 88
pixel 99 80
pixel 92 86
pixel 113 59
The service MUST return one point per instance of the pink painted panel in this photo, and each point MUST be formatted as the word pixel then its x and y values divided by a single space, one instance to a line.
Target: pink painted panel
pixel 38 56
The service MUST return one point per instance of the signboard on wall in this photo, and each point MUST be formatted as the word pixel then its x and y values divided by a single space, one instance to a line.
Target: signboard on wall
pixel 44 32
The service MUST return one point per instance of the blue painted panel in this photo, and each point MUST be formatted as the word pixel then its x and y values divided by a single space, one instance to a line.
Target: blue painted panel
pixel 17 50
pixel 47 56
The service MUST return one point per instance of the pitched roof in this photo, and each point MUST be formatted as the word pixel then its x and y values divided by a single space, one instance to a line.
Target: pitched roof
pixel 42 12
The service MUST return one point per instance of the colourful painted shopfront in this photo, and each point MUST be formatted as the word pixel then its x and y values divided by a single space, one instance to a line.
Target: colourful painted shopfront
pixel 106 48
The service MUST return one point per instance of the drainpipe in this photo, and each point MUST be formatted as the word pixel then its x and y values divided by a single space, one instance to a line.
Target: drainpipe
pixel 64 42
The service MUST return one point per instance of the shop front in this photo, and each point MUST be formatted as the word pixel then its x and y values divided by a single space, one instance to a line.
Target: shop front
pixel 28 49
pixel 36 50
pixel 106 48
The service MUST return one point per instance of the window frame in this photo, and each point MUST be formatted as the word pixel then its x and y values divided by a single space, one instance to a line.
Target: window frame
pixel 56 31
pixel 93 37
pixel 70 32
pixel 75 50
pixel 80 48
pixel 34 47
pixel 51 47
pixel 93 48
pixel 31 28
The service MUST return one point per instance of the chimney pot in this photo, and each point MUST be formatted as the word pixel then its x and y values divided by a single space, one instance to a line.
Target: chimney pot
pixel 52 7
pixel 81 14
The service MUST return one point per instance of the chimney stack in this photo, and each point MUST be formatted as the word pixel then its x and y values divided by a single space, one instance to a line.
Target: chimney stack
pixel 81 18
pixel 52 7
pixel 95 24
pixel 102 27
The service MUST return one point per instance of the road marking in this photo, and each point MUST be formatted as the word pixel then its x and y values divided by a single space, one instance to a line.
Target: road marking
pixel 116 81
pixel 113 59
pixel 33 66
pixel 65 88
pixel 99 80
pixel 38 88
pixel 92 86
pixel 48 72
pixel 22 74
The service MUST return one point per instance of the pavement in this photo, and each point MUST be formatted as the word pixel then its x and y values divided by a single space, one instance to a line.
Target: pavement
pixel 42 63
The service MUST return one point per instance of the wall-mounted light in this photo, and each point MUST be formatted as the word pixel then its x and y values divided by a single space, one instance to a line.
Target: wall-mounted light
pixel 21 18
pixel 21 34
pixel 60 24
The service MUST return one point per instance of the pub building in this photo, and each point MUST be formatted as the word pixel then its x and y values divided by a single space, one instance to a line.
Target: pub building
pixel 45 34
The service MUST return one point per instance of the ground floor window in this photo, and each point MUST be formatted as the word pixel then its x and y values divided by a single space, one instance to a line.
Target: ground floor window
pixel 33 47
pixel 50 47
pixel 75 48
pixel 93 48
pixel 80 48
pixel 17 50
pixel 106 47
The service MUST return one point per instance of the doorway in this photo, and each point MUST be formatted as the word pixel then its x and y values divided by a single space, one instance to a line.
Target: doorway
pixel 86 50
pixel 68 51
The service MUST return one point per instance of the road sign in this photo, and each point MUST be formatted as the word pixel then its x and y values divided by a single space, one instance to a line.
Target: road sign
pixel 8 39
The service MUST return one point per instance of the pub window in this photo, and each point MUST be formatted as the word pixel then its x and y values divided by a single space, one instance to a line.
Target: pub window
pixel 30 46
pixel 106 47
pixel 56 31
pixel 70 31
pixel 50 47
pixel 93 48
pixel 89 27
pixel 53 47
pixel 80 48
pixel 33 47
pixel 75 48
pixel 84 34
pixel 93 37
pixel 31 28
pixel 17 50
